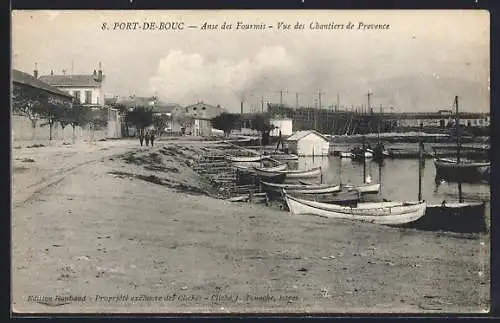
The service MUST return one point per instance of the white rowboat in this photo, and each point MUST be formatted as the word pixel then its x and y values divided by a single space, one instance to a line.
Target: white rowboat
pixel 389 213
pixel 269 171
pixel 364 188
pixel 304 189
pixel 245 159
pixel 293 174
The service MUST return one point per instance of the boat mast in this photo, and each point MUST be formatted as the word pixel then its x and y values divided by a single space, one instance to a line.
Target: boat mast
pixel 364 160
pixel 419 168
pixel 457 126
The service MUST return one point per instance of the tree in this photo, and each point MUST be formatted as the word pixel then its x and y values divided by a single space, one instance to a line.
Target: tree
pixel 226 122
pixel 140 117
pixel 122 109
pixel 52 110
pixel 183 120
pixel 26 102
pixel 80 116
pixel 160 122
pixel 262 123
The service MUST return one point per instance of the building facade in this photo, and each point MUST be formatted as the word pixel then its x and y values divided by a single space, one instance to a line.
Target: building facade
pixel 282 125
pixel 88 90
pixel 200 116
pixel 308 143
pixel 85 88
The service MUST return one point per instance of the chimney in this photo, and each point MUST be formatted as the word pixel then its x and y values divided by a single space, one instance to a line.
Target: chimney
pixel 64 72
pixel 35 72
pixel 242 107
pixel 100 73
pixel 51 72
pixel 95 74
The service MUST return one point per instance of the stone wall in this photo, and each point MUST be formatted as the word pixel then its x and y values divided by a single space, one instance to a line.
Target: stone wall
pixel 22 131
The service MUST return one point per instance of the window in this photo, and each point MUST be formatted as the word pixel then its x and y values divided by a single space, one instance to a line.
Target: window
pixel 88 97
pixel 76 94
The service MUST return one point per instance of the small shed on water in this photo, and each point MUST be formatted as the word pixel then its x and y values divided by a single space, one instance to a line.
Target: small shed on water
pixel 307 143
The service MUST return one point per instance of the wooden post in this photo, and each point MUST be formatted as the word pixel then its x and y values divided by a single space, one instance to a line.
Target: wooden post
pixel 340 173
pixel 364 161
pixel 380 176
pixel 321 175
pixel 419 169
pixel 457 125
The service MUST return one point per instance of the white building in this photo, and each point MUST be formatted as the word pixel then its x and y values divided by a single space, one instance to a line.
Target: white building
pixel 87 89
pixel 283 125
pixel 307 143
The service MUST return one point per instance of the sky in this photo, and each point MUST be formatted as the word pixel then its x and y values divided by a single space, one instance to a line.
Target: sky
pixel 419 63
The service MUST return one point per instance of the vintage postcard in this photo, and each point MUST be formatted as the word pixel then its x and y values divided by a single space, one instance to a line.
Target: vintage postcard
pixel 225 161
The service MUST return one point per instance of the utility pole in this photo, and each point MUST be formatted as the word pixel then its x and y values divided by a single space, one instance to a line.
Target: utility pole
pixel 318 111
pixel 262 103
pixel 281 96
pixel 369 94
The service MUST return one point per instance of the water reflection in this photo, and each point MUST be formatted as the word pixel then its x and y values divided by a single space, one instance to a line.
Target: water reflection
pixel 399 178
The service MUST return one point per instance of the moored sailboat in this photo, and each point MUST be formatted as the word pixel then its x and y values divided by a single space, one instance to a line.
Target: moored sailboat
pixel 457 170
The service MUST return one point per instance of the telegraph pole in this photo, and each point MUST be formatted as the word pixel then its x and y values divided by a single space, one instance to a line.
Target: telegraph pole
pixel 369 94
pixel 281 96
pixel 318 111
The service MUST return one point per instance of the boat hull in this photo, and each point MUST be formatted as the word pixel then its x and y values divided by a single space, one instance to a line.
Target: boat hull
pixel 340 198
pixel 466 217
pixel 365 188
pixel 301 189
pixel 292 174
pixel 388 213
pixel 245 159
pixel 452 171
pixel 285 157
pixel 270 171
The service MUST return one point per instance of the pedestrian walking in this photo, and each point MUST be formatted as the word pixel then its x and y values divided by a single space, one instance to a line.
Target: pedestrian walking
pixel 141 137
pixel 147 138
pixel 152 138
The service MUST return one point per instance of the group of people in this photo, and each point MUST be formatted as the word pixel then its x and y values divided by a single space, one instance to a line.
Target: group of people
pixel 147 137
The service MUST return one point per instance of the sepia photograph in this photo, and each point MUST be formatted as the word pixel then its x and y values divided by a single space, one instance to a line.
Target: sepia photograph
pixel 250 161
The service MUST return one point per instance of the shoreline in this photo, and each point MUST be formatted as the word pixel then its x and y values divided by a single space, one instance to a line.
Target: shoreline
pixel 101 231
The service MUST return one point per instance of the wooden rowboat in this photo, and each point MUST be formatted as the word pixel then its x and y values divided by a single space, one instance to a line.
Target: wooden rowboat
pixel 269 171
pixel 302 189
pixel 340 198
pixel 245 159
pixel 364 188
pixel 285 156
pixel 389 213
pixel 459 217
pixel 466 171
pixel 344 154
pixel 292 174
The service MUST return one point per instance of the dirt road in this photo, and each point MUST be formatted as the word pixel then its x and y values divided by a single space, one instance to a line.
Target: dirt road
pixel 87 238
